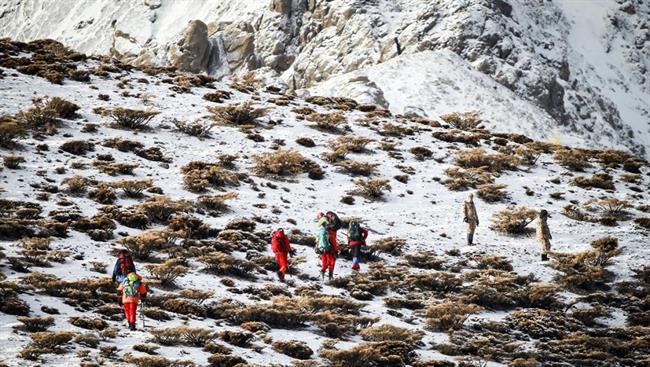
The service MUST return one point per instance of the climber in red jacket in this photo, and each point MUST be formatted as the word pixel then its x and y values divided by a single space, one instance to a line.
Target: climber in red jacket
pixel 281 248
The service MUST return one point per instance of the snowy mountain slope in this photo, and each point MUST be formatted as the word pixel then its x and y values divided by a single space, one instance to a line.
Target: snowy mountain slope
pixel 582 62
pixel 421 210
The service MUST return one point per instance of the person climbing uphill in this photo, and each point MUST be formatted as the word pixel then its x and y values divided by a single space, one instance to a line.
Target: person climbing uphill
pixel 129 293
pixel 543 233
pixel 356 238
pixel 325 246
pixel 470 217
pixel 123 266
pixel 281 248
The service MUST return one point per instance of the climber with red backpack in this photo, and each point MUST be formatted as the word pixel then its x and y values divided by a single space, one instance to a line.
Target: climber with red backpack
pixel 327 246
pixel 281 248
pixel 123 266
pixel 130 291
pixel 356 238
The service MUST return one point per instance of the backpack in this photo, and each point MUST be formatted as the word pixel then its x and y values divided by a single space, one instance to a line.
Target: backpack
pixel 131 288
pixel 354 232
pixel 335 222
pixel 324 244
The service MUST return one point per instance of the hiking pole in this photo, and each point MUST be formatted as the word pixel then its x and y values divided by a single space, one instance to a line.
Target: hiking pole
pixel 142 313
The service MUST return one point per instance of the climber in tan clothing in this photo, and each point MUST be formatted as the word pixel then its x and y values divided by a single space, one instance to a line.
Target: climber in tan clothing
pixel 544 234
pixel 470 217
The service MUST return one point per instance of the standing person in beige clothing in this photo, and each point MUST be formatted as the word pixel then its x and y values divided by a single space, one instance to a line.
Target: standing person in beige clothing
pixel 470 217
pixel 543 233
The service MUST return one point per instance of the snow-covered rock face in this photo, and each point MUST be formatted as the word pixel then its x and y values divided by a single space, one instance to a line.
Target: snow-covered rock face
pixel 582 64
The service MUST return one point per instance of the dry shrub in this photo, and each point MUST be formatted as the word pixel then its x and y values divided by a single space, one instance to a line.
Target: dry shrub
pixel 216 203
pixel 237 338
pixel 133 188
pixel 598 180
pixel 492 193
pixel 195 128
pixel 371 188
pixel 574 212
pixel 464 121
pixel 103 194
pixel 127 118
pixel 236 114
pixel 90 340
pixel 155 361
pixel 513 220
pixel 358 168
pixel 421 153
pixel 77 184
pixel 304 141
pixel 142 245
pixel 386 354
pixel 160 208
pixel 449 314
pixel 123 145
pixel 478 158
pixel 282 163
pixel 10 129
pixel 13 161
pixel 585 270
pixel 150 349
pixel 167 272
pixel 335 155
pixel 293 348
pixel 460 179
pixel 115 169
pixel 218 96
pixel 282 312
pixel 34 324
pixel 572 159
pixel 631 178
pixel 610 206
pixel 388 245
pixel 351 143
pixel 643 222
pixel 389 332
pixel 198 176
pixel 395 130
pixel 225 360
pixel 527 155
pixel 614 157
pixel 92 323
pixel 64 109
pixel 424 260
pixel 43 115
pixel 77 147
pixel 333 122
pixel 196 295
pixel 224 264
pixel 458 136
pixel 183 335
pixel 45 342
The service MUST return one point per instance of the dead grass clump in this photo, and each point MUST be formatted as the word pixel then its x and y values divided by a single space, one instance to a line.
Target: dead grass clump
pixel 421 153
pixel 91 323
pixel 610 207
pixel 598 180
pixel 389 332
pixel 13 161
pixel 155 361
pixel 10 129
pixel 351 143
pixel 142 245
pixel 458 136
pixel 386 353
pixel 572 159
pixel 77 184
pixel 395 130
pixel 77 147
pixel 237 338
pixel 160 208
pixel 478 158
pixel 460 179
pixel 195 128
pixel 183 335
pixel 46 342
pixel 126 118
pixel 114 169
pixel 167 272
pixel 224 264
pixel 216 204
pixel 371 188
pixel 304 141
pixel 492 193
pixel 463 121
pixel 43 116
pixel 513 220
pixel 642 222
pixel 236 114
pixel 358 168
pixel 190 227
pixel 388 245
pixel 123 145
pixel 10 303
pixel 527 155
pixel 576 213
pixel 293 348
pixel 332 122
pixel 218 96
pixel 64 109
pixel 133 188
pixel 282 312
pixel 281 163
pixel 449 315
pixel 197 295
pixel 424 260
pixel 34 324
pixel 199 176
pixel 614 158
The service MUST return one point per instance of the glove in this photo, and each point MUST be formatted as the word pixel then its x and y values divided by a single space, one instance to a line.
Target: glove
pixel 465 220
pixel 292 253
pixel 143 297
pixel 477 222
pixel 119 298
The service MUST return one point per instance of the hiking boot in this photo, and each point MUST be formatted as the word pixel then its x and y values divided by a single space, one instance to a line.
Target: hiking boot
pixel 544 257
pixel 322 275
pixel 470 240
pixel 132 326
pixel 281 276
pixel 355 267
pixel 330 275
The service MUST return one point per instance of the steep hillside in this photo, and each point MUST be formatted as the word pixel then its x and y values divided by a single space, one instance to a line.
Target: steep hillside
pixel 196 190
pixel 580 65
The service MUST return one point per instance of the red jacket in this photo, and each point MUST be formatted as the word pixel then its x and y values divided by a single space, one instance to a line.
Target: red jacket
pixel 364 233
pixel 280 242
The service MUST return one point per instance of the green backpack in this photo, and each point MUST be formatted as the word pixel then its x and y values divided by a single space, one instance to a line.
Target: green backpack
pixel 131 287
pixel 354 232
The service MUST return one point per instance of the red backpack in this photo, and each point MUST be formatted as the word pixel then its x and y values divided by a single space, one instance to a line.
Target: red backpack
pixel 126 263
